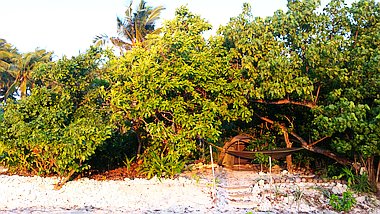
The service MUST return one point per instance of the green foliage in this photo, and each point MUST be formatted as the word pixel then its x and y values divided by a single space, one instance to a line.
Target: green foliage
pixel 316 73
pixel 128 162
pixel 1 114
pixel 58 128
pixel 362 184
pixel 303 159
pixel 264 159
pixel 160 165
pixel 344 203
pixel 177 90
pixel 358 183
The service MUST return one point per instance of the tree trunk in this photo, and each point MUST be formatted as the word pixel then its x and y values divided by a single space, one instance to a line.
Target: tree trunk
pixel 378 172
pixel 377 180
pixel 139 147
pixel 289 162
pixel 371 170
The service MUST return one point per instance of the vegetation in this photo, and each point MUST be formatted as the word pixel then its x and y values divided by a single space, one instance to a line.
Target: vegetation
pixel 344 203
pixel 8 54
pixel 16 69
pixel 58 127
pixel 358 183
pixel 133 28
pixel 311 74
pixel 298 78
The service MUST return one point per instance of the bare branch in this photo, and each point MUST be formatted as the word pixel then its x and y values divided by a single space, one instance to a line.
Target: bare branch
pixel 287 101
pixel 317 95
pixel 318 141
pixel 162 113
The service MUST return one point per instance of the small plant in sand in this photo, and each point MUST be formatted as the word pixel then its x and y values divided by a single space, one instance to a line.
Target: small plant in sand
pixel 196 177
pixel 344 203
pixel 128 162
pixel 358 183
pixel 298 194
pixel 216 180
pixel 162 166
pixel 277 192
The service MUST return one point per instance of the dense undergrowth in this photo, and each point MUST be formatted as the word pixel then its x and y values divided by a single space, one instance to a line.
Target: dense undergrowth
pixel 300 78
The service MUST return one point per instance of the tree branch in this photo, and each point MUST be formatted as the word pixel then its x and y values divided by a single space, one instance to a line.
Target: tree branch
pixel 287 101
pixel 317 95
pixel 315 142
pixel 305 145
pixel 356 37
pixel 162 113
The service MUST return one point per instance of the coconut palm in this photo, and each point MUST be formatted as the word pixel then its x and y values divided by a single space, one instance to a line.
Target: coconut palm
pixel 133 27
pixel 22 68
pixel 8 55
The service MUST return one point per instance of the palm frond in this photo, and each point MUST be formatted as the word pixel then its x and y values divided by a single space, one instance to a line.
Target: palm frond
pixel 134 26
pixel 11 90
pixel 154 15
pixel 129 10
pixel 101 40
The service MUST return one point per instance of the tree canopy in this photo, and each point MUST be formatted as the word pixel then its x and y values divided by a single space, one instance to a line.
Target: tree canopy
pixel 313 73
pixel 307 76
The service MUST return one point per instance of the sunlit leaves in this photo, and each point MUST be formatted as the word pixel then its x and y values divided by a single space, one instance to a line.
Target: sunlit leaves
pixel 180 88
pixel 329 57
pixel 60 125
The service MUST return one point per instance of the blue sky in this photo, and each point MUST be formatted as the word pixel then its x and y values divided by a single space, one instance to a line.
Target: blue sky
pixel 68 27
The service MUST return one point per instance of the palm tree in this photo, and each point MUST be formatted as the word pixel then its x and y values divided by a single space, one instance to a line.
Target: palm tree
pixel 133 27
pixel 8 55
pixel 22 69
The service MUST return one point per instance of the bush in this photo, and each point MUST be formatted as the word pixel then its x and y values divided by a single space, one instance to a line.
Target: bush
pixel 43 134
pixel 61 124
pixel 344 203
pixel 160 165
pixel 358 183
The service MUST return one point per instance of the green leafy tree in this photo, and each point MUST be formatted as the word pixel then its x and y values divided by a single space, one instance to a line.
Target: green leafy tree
pixel 313 74
pixel 176 91
pixel 133 27
pixel 58 128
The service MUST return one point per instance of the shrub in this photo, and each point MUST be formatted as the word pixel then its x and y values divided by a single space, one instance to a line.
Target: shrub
pixel 161 165
pixel 61 124
pixel 344 203
pixel 43 134
pixel 358 183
